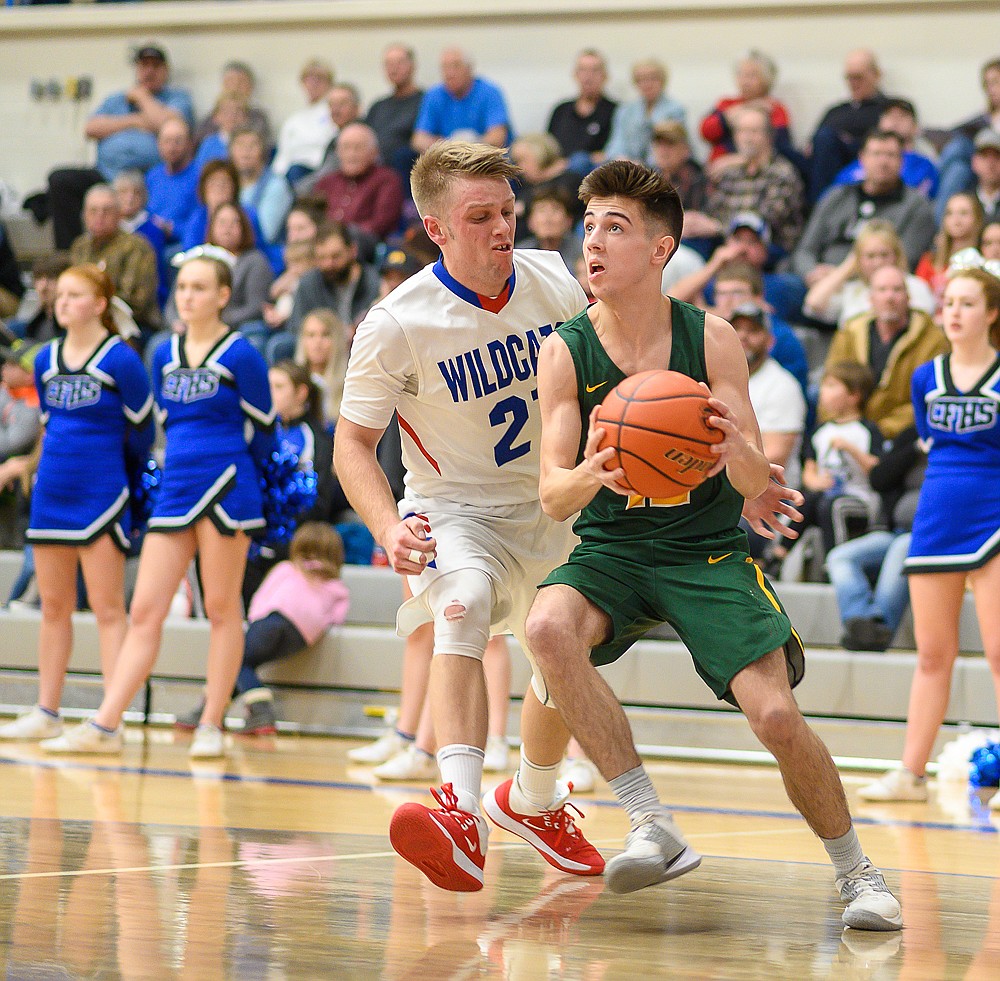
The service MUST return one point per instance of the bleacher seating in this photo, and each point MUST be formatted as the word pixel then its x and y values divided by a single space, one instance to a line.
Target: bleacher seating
pixel 359 664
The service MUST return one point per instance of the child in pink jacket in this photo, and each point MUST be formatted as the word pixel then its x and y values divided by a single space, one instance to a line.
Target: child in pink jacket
pixel 298 601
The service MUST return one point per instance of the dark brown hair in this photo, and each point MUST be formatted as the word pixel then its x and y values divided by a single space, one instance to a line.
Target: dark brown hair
pixel 214 167
pixel 299 375
pixel 856 377
pixel 635 182
pixel 246 229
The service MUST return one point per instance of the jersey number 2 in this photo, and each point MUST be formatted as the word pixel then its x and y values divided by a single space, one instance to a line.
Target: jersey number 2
pixel 516 409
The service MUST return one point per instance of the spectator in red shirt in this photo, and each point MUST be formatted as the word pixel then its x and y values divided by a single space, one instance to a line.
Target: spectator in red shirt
pixel 362 193
pixel 755 76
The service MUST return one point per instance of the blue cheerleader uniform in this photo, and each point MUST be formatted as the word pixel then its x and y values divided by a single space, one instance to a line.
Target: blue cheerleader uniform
pixel 98 429
pixel 219 426
pixel 957 524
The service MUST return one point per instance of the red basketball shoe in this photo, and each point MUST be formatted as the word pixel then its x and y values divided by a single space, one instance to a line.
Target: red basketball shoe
pixel 447 844
pixel 552 832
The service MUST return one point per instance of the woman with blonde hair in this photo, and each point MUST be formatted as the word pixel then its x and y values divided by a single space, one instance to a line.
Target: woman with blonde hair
pixel 322 348
pixel 844 291
pixel 97 411
pixel 961 227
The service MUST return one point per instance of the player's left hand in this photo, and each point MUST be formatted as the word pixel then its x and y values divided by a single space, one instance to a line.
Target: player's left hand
pixel 734 444
pixel 764 513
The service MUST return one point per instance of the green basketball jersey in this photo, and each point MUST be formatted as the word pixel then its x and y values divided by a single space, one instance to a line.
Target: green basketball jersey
pixel 711 510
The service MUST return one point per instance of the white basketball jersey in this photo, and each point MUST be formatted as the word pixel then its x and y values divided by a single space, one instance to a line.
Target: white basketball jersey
pixel 460 371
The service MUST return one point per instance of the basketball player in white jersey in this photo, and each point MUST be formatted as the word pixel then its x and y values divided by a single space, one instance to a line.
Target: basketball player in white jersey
pixel 454 351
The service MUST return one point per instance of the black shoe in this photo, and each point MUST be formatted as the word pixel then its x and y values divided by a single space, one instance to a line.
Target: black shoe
pixel 190 720
pixel 866 634
pixel 260 718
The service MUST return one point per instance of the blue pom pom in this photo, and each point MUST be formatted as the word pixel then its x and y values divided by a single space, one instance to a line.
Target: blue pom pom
pixel 984 768
pixel 287 492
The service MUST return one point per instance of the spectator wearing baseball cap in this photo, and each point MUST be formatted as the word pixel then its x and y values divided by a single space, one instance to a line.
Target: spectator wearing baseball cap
pixel 19 414
pixel 753 221
pixel 986 169
pixel 747 240
pixel 671 154
pixel 957 173
pixel 149 52
pixel 776 396
pixel 397 267
pixel 124 126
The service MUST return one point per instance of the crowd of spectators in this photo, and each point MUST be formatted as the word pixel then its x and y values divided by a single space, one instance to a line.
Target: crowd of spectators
pixel 823 253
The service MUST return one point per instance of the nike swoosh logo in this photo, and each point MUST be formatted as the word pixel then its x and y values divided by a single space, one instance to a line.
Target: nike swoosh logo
pixel 594 388
pixel 712 559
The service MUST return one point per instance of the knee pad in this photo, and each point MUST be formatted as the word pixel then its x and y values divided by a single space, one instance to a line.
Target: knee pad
pixel 462 603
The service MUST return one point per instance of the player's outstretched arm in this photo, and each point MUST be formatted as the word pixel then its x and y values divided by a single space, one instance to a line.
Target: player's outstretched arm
pixel 740 452
pixel 367 489
pixel 566 486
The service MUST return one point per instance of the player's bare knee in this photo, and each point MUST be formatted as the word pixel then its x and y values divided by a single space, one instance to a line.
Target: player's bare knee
pixel 777 723
pixel 549 636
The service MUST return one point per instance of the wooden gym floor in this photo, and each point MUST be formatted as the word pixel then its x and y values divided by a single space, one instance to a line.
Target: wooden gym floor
pixel 275 864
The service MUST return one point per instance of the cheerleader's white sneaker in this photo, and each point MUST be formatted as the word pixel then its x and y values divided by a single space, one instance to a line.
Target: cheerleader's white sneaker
pixel 86 739
pixel 896 785
pixel 32 726
pixel 208 743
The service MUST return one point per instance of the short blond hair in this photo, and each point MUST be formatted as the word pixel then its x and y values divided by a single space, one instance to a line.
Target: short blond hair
pixel 447 161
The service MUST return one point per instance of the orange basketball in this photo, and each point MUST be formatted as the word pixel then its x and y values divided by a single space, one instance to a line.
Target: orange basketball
pixel 657 421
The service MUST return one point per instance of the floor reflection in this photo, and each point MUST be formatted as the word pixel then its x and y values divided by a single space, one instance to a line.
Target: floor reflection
pixel 113 896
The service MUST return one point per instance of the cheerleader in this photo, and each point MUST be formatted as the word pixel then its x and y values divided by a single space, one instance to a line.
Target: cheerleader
pixel 957 402
pixel 213 399
pixel 97 411
pixel 298 430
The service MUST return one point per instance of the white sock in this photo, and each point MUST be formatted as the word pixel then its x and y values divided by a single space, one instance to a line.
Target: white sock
pixel 637 795
pixel 534 786
pixel 462 767
pixel 845 852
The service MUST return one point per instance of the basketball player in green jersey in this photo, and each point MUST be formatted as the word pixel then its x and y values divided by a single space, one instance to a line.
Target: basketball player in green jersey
pixel 683 561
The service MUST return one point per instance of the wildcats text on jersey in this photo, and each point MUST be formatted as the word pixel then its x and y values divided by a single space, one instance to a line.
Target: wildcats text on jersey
pixel 72 391
pixel 190 384
pixel 963 414
pixel 495 365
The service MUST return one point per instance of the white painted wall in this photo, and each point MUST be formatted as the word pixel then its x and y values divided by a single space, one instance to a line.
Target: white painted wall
pixel 931 51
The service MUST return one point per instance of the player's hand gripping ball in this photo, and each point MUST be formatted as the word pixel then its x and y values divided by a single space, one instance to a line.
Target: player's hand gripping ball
pixel 657 422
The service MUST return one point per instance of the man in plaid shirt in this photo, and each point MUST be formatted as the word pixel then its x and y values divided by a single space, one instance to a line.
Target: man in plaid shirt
pixel 755 178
